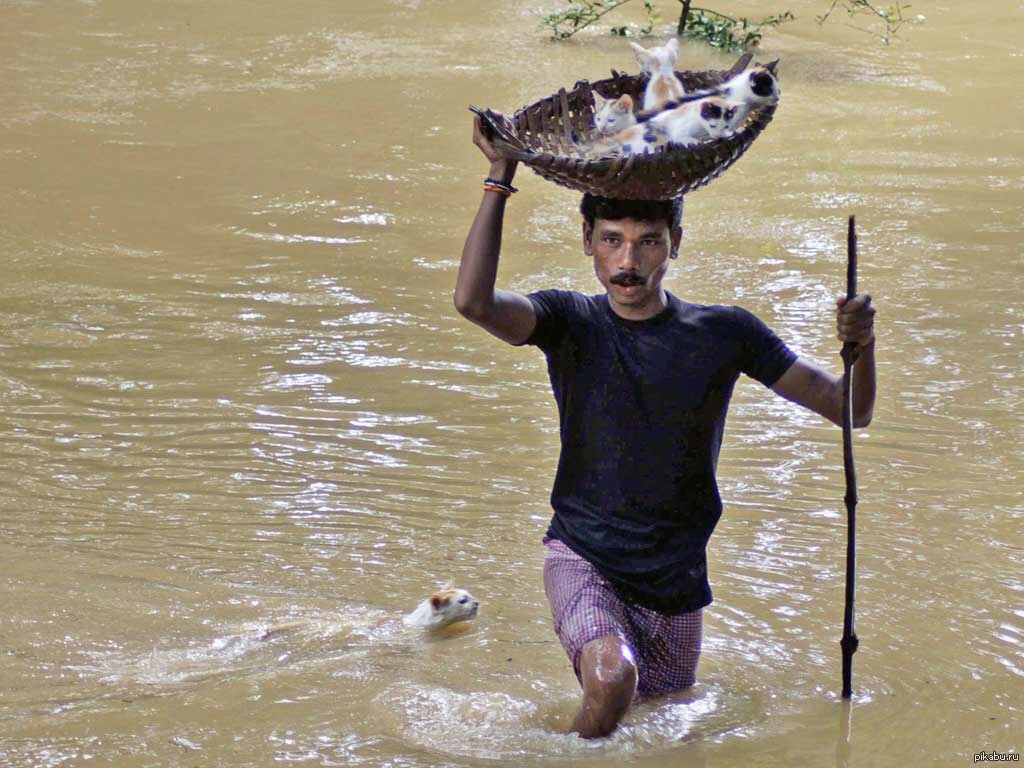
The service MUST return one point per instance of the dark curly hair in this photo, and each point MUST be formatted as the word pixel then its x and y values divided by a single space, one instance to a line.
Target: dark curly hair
pixel 670 211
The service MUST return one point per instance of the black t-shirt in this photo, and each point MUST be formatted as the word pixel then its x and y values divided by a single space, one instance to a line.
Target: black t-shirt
pixel 642 408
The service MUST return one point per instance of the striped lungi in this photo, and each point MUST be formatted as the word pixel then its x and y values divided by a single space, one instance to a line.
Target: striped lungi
pixel 584 607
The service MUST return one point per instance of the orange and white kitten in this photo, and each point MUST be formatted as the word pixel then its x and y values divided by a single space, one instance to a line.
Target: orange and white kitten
pixel 659 63
pixel 444 607
pixel 686 124
pixel 612 115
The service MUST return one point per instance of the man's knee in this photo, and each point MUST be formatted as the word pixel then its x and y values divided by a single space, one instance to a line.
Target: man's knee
pixel 609 677
pixel 607 665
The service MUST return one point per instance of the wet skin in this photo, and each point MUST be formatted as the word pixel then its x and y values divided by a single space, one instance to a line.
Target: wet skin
pixel 608 675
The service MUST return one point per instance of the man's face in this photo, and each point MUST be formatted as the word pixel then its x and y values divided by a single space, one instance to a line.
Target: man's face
pixel 630 260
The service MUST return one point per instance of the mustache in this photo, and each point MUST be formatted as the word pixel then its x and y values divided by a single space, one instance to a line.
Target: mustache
pixel 627 279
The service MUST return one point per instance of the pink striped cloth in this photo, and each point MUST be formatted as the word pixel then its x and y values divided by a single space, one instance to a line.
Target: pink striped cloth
pixel 584 607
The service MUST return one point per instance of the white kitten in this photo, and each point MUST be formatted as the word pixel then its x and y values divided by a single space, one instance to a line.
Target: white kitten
pixel 709 118
pixel 659 63
pixel 752 88
pixel 612 115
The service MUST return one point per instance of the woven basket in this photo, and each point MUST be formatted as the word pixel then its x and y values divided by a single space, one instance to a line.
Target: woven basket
pixel 541 136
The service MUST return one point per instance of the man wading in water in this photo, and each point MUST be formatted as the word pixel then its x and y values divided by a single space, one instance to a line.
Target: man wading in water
pixel 643 381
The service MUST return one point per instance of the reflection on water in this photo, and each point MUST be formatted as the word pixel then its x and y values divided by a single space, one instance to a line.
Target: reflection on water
pixel 234 394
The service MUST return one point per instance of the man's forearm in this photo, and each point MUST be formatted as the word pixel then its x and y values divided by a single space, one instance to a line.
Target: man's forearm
pixel 478 270
pixel 821 390
pixel 864 386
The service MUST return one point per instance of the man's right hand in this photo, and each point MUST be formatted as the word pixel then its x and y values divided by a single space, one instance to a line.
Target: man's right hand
pixel 502 169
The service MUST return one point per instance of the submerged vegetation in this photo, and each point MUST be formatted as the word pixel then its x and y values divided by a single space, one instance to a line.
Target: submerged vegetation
pixel 892 17
pixel 717 29
pixel 714 28
pixel 721 31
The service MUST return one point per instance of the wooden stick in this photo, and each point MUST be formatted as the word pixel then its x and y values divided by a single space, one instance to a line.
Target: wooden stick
pixel 849 642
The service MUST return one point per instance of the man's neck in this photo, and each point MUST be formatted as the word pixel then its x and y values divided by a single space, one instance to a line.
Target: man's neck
pixel 652 308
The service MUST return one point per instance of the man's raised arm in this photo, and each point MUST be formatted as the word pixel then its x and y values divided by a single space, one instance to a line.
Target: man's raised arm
pixel 507 315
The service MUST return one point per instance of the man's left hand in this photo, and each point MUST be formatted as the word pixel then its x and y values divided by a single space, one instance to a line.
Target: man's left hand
pixel 855 320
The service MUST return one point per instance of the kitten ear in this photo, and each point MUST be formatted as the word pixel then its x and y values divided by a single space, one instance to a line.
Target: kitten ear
pixel 642 56
pixel 624 104
pixel 673 45
pixel 436 602
pixel 599 101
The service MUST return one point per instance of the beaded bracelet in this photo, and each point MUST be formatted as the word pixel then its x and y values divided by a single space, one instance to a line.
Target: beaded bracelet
pixel 499 186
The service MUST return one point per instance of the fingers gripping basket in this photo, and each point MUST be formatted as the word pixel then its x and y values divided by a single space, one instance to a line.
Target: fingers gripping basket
pixel 542 137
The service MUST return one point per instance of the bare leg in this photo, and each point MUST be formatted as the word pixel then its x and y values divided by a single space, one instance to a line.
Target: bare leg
pixel 609 678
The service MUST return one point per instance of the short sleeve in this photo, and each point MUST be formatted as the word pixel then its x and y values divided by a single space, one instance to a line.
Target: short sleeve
pixel 551 308
pixel 764 356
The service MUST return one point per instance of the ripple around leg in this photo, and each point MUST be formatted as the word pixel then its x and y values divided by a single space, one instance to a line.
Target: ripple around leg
pixel 498 726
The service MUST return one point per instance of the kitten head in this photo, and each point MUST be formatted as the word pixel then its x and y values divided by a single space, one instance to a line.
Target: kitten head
pixel 451 605
pixel 717 116
pixel 763 84
pixel 613 115
pixel 754 87
pixel 654 60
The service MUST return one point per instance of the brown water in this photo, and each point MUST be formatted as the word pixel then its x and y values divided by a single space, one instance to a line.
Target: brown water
pixel 233 392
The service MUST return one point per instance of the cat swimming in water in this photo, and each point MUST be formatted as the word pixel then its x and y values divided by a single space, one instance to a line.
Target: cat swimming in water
pixel 659 64
pixel 612 115
pixel 686 124
pixel 442 609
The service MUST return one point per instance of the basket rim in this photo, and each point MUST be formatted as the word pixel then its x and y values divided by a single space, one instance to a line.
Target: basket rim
pixel 664 174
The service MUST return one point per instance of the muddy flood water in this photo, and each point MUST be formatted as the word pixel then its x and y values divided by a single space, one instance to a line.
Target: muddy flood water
pixel 234 392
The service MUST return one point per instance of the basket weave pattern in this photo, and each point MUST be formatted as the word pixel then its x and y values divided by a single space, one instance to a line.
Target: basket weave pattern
pixel 542 137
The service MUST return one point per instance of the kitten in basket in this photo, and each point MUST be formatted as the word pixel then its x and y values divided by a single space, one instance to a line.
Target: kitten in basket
pixel 755 87
pixel 686 124
pixel 746 90
pixel 699 116
pixel 612 115
pixel 442 609
pixel 659 64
